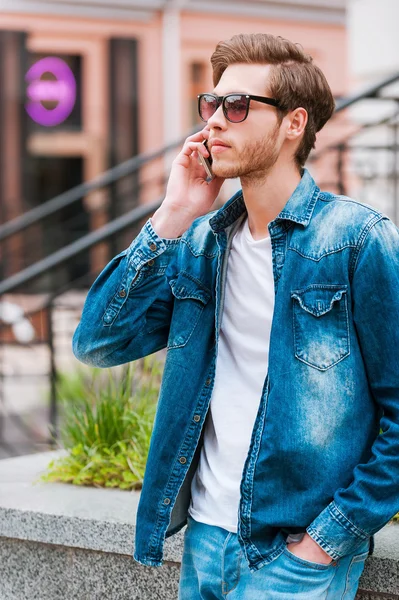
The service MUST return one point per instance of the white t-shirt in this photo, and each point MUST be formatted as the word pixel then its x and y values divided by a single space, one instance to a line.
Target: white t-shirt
pixel 241 369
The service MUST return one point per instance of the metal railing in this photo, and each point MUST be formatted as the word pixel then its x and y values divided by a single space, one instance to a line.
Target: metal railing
pixel 107 233
pixel 128 167
pixel 134 218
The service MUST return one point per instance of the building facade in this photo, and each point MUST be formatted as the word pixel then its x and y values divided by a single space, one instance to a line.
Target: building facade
pixel 115 81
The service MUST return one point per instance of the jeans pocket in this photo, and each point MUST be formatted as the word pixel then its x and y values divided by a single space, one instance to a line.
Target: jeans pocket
pixel 321 324
pixel 307 563
pixel 355 570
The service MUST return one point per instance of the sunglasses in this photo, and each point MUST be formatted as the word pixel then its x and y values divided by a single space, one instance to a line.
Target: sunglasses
pixel 235 106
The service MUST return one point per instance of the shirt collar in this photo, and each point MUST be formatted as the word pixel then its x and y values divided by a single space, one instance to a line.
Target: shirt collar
pixel 299 207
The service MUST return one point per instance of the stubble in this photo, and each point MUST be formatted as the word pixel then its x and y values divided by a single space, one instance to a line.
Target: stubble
pixel 254 162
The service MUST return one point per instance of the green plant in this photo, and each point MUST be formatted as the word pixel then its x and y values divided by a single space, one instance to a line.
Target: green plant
pixel 107 419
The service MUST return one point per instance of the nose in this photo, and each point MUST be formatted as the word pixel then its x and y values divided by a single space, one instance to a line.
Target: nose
pixel 217 120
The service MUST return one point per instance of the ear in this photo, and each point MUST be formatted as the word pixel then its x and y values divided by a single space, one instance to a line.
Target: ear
pixel 296 123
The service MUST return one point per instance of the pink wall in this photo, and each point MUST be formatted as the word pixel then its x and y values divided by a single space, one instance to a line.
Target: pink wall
pixel 199 36
pixel 200 33
pixel 326 43
pixel 71 33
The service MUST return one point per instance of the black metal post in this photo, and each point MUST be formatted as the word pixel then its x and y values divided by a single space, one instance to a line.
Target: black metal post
pixel 53 376
pixel 395 171
pixel 340 168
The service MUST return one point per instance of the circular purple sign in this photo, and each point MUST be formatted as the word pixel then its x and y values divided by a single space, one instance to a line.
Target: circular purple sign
pixel 63 90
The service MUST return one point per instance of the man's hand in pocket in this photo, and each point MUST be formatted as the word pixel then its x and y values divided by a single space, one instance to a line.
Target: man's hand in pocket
pixel 308 549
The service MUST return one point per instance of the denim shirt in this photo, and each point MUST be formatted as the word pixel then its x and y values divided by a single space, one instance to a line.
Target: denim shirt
pixel 317 461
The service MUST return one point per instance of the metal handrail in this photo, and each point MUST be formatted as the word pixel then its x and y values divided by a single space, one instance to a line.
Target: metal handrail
pixel 132 164
pixel 335 145
pixel 69 197
pixel 121 223
pixel 106 232
pixel 368 92
pixel 79 246
pixel 161 179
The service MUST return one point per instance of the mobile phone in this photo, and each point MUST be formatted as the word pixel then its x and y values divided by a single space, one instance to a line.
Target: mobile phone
pixel 206 162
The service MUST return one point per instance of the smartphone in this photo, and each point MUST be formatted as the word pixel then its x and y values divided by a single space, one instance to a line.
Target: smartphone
pixel 206 162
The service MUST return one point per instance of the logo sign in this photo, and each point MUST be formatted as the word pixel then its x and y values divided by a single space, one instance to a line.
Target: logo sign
pixel 61 90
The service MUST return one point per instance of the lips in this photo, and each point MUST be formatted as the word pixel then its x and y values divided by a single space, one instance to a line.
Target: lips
pixel 217 142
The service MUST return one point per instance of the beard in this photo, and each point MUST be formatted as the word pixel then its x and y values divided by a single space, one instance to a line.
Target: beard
pixel 254 163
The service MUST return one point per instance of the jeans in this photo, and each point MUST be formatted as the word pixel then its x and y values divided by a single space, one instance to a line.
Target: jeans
pixel 214 567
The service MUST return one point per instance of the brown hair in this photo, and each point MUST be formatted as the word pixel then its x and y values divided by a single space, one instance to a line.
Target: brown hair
pixel 294 80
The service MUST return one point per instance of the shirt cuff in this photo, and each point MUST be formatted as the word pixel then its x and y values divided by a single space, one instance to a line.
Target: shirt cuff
pixel 335 533
pixel 147 245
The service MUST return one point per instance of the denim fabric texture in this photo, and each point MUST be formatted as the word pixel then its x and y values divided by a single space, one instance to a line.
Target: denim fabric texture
pixel 214 568
pixel 317 460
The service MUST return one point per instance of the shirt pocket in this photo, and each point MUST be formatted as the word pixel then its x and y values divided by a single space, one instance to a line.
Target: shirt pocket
pixel 190 299
pixel 320 324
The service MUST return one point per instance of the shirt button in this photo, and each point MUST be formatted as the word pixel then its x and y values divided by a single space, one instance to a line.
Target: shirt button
pixel 122 293
pixel 183 460
pixel 151 262
pixel 208 381
pixel 153 246
pixel 197 418
pixel 166 501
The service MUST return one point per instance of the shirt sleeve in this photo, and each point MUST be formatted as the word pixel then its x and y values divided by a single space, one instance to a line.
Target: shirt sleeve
pixel 372 498
pixel 128 309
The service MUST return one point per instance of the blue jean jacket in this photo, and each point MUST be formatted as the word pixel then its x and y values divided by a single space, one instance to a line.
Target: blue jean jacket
pixel 317 460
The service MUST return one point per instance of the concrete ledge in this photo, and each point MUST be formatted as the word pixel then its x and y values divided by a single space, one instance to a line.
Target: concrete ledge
pixel 63 541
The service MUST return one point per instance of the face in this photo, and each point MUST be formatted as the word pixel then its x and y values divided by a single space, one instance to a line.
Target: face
pixel 254 144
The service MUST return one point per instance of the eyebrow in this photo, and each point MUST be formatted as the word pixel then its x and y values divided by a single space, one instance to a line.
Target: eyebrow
pixel 227 93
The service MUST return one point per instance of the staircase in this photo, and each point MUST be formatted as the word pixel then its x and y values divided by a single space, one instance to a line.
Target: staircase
pixel 358 157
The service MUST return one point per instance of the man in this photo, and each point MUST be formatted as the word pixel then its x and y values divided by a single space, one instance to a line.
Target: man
pixel 279 312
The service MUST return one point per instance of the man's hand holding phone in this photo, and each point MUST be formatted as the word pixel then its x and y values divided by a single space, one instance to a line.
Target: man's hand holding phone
pixel 188 194
pixel 206 162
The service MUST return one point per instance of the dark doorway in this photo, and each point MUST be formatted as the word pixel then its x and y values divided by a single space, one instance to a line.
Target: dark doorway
pixel 51 176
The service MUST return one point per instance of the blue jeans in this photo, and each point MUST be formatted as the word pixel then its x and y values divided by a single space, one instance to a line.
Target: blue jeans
pixel 214 567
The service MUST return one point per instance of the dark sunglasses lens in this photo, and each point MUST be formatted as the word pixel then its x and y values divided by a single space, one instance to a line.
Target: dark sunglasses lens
pixel 207 106
pixel 236 108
